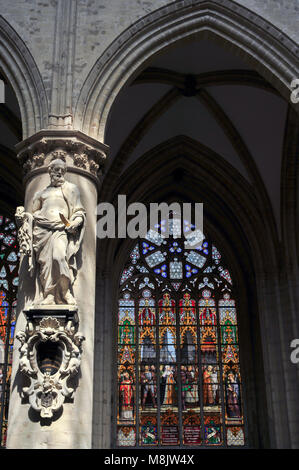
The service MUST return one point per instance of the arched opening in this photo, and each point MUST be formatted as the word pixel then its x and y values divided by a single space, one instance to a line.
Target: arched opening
pixel 17 106
pixel 176 299
pixel 201 178
pixel 21 72
pixel 233 25
pixel 203 132
pixel 11 195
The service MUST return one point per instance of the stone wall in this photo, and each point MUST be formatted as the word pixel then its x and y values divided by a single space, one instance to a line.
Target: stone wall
pixel 66 37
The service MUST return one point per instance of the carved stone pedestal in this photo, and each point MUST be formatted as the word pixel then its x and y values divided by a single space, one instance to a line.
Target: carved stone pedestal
pixel 50 355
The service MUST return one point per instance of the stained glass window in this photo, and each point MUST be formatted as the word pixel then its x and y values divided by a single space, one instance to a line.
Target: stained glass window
pixel 179 379
pixel 9 260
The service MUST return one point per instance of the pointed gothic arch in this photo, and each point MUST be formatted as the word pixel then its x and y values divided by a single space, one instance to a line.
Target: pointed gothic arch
pixel 230 218
pixel 21 71
pixel 195 356
pixel 224 20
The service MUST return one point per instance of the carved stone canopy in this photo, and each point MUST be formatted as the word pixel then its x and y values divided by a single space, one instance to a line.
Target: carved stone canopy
pixel 81 153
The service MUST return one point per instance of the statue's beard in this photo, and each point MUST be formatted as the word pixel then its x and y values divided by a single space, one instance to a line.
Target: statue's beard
pixel 57 180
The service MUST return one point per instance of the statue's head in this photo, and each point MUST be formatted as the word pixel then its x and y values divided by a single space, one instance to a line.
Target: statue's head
pixel 57 170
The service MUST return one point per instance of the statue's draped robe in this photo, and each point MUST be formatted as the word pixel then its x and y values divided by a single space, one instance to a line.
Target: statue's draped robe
pixel 50 239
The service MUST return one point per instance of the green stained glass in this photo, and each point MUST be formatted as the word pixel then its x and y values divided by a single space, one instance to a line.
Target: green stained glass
pixel 179 380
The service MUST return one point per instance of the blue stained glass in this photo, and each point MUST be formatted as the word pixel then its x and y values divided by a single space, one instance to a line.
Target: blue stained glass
pixel 126 274
pixel 168 351
pixel 195 258
pixel 11 226
pixel 142 269
pixel 162 270
pixel 216 255
pixel 9 240
pixel 209 269
pixel 194 240
pixel 12 333
pixel 155 258
pixel 175 248
pixel 175 228
pixel 178 355
pixel 176 270
pixel 190 271
pixel 3 272
pixel 154 237
pixel 225 274
pixel 161 226
pixel 12 257
pixel 146 248
pixel 4 284
pixel 188 226
pixel 135 255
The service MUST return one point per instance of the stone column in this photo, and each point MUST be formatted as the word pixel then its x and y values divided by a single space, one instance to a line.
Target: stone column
pixel 71 427
pixel 104 398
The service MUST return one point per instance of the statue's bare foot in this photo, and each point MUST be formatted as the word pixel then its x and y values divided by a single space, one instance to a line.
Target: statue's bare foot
pixel 69 298
pixel 49 300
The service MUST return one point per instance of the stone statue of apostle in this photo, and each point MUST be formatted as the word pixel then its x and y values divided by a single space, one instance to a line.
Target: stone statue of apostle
pixel 58 224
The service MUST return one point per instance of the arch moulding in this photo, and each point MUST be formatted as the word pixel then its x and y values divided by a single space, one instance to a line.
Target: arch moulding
pixel 273 53
pixel 20 69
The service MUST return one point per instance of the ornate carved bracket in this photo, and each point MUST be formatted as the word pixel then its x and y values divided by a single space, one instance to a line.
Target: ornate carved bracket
pixel 82 153
pixel 50 354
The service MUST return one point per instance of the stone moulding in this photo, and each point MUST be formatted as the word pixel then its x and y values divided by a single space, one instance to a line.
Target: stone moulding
pixel 50 354
pixel 269 48
pixel 82 153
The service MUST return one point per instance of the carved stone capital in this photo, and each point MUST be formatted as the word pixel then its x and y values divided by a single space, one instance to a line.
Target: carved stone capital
pixel 81 153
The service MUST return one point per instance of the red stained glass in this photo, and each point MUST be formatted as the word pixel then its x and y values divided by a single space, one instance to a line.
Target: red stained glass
pixel 9 262
pixel 179 380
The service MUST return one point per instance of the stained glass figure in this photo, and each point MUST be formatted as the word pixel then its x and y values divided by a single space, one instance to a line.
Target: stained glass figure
pixel 179 378
pixel 191 393
pixel 148 379
pixel 126 394
pixel 168 385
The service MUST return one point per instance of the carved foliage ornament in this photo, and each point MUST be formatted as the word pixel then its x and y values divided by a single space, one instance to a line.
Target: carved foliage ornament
pixel 75 153
pixel 50 354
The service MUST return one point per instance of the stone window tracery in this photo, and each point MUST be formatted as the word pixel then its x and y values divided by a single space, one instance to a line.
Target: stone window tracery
pixel 178 372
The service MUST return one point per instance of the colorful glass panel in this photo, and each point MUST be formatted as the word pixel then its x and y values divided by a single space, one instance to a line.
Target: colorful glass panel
pixel 179 380
pixel 9 261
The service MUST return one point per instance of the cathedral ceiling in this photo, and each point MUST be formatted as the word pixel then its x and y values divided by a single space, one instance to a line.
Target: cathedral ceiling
pixel 196 89
pixel 208 93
